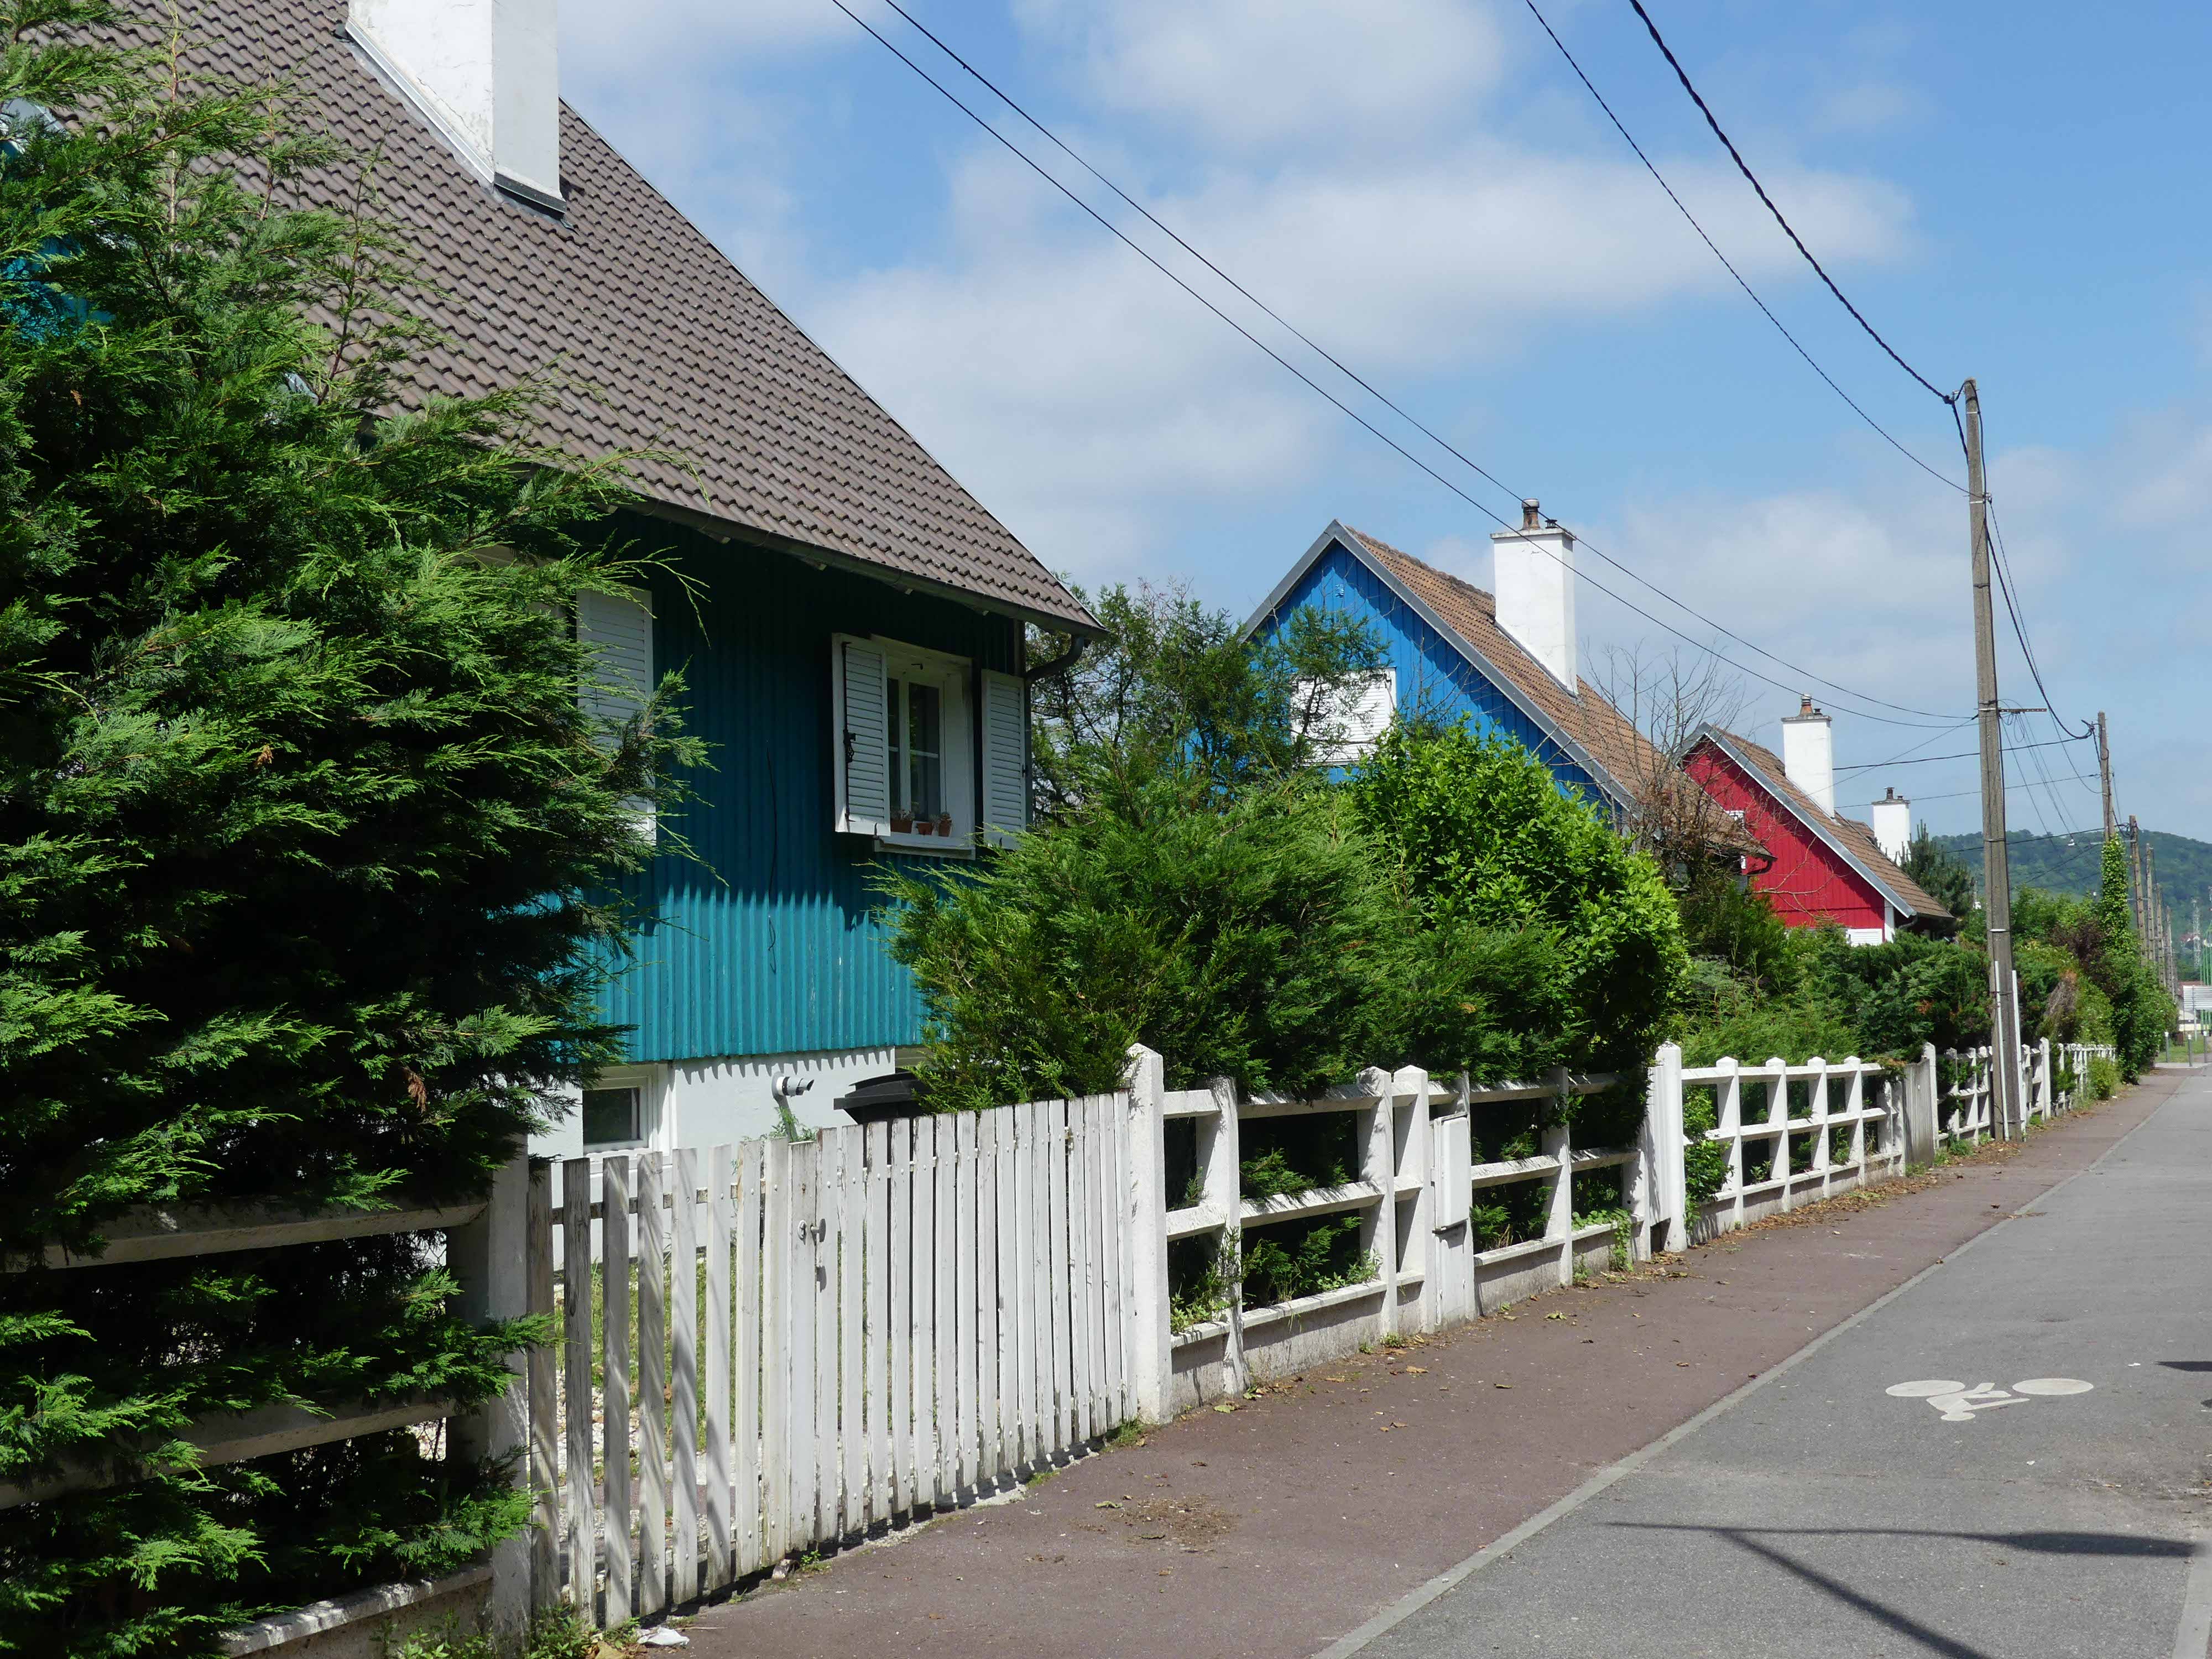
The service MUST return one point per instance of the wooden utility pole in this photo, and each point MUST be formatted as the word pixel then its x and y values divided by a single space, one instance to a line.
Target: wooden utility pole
pixel 1997 904
pixel 2135 874
pixel 2153 911
pixel 2105 771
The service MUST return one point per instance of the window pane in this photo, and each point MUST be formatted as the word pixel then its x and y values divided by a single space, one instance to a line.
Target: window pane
pixel 925 719
pixel 611 1117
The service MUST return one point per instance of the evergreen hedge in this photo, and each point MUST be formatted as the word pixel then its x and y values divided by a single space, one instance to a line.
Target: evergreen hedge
pixel 304 838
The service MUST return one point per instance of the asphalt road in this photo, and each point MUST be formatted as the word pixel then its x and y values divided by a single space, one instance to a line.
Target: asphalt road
pixel 1846 1506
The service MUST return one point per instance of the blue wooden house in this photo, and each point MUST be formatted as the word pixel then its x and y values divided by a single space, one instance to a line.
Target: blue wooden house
pixel 853 637
pixel 1504 658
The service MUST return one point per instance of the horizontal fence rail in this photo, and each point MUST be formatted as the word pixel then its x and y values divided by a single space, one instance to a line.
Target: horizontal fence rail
pixel 1795 1134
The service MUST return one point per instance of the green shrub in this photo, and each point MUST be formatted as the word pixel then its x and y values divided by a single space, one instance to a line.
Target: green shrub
pixel 1488 840
pixel 1704 1163
pixel 304 842
pixel 2104 1077
pixel 1266 938
pixel 1295 1258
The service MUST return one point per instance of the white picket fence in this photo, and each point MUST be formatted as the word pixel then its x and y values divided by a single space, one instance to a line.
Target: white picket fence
pixel 773 1347
pixel 777 1345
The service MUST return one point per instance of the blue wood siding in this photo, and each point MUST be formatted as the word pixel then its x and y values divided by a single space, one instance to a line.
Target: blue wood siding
pixel 765 944
pixel 1434 677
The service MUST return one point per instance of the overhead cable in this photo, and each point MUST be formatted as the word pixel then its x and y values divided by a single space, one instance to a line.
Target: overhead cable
pixel 1744 167
pixel 1966 753
pixel 1726 265
pixel 1804 674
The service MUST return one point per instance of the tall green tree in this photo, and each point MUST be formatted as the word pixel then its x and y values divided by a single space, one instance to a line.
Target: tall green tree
pixel 1941 873
pixel 2143 1012
pixel 304 837
pixel 1176 686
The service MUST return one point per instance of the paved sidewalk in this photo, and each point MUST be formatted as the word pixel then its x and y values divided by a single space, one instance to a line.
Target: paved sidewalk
pixel 1863 1503
pixel 1274 1530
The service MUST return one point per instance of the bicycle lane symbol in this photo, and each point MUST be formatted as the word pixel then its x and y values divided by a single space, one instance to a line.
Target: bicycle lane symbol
pixel 1955 1402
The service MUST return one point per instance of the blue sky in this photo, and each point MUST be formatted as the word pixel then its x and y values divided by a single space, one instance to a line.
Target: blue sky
pixel 2015 193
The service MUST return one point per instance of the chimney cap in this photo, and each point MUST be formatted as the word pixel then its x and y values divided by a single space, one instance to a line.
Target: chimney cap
pixel 1531 511
pixel 1806 711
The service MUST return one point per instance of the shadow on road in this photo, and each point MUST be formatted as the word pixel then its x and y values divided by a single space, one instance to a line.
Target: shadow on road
pixel 1930 1640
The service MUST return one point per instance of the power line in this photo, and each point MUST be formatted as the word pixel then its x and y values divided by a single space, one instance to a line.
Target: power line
pixel 1968 754
pixel 2020 629
pixel 1742 167
pixel 1340 404
pixel 1956 794
pixel 1683 209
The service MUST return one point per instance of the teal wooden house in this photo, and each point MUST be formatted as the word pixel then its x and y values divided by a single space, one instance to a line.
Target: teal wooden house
pixel 853 642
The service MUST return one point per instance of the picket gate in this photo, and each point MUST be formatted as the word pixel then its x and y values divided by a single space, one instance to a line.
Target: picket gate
pixel 777 1345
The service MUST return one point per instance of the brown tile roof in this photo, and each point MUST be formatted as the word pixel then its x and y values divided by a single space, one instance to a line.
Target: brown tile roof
pixel 1633 766
pixel 667 345
pixel 1857 839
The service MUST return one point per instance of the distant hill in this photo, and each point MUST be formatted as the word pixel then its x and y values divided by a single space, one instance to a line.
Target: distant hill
pixel 2069 864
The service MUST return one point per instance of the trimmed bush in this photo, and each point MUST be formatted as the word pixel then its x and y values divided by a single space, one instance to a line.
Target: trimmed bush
pixel 303 842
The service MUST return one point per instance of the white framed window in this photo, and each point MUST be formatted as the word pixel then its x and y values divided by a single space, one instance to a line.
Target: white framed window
pixel 929 749
pixel 622 1109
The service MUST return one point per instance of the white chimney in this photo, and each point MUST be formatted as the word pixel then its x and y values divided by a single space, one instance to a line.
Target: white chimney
pixel 1533 577
pixel 1892 816
pixel 486 72
pixel 1808 754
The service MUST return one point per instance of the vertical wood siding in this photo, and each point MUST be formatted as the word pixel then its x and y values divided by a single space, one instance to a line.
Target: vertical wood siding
pixel 1806 882
pixel 764 943
pixel 1433 677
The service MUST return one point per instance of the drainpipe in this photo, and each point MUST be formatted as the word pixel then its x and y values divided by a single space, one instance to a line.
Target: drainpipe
pixel 1058 664
pixel 786 1086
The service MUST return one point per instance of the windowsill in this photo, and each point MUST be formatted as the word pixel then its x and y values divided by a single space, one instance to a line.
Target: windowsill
pixel 954 846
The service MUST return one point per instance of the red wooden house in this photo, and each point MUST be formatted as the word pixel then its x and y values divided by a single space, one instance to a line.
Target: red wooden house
pixel 1819 866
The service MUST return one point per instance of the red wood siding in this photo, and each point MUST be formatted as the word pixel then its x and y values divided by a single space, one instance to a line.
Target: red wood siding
pixel 1806 881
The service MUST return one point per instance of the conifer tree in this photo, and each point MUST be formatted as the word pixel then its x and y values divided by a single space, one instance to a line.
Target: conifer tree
pixel 305 839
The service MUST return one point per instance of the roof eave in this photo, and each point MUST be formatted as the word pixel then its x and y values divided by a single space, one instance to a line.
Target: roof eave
pixel 727 530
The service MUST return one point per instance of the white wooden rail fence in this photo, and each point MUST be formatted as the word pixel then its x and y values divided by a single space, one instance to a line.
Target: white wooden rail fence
pixel 179 1231
pixel 1766 1116
pixel 1412 1195
pixel 773 1347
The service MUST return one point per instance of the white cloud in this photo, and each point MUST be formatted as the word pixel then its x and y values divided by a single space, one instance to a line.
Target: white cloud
pixel 1332 73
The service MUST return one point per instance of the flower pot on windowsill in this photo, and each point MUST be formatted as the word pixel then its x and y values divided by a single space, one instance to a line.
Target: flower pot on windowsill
pixel 945 824
pixel 924 826
pixel 902 823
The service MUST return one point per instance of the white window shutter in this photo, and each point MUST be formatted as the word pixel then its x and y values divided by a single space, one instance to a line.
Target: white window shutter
pixel 616 630
pixel 1006 756
pixel 862 735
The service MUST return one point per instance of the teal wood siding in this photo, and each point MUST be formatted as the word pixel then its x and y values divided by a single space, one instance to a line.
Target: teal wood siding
pixel 1434 678
pixel 765 944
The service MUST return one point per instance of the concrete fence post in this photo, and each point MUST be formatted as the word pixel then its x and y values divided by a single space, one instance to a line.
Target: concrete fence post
pixel 1220 1167
pixel 1920 1108
pixel 1379 1163
pixel 489 1258
pixel 1450 1242
pixel 1145 1148
pixel 2043 1077
pixel 1663 1170
pixel 1415 1167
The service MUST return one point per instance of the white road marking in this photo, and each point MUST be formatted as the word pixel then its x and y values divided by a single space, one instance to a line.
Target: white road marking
pixel 1955 1402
